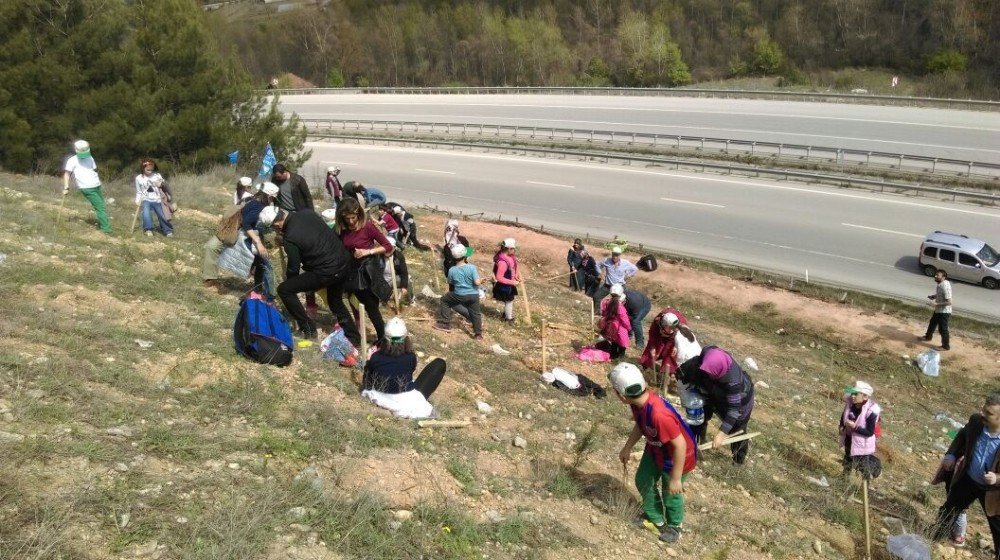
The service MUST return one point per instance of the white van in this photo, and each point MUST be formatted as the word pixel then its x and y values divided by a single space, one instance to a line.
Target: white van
pixel 962 257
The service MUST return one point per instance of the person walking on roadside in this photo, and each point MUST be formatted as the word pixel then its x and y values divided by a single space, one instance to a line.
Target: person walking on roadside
pixel 317 259
pixel 506 277
pixel 669 456
pixel 941 302
pixel 638 306
pixel 973 458
pixel 463 297
pixel 333 187
pixel 366 244
pixel 574 259
pixel 150 197
pixel 293 192
pixel 83 169
pixel 613 270
pixel 727 390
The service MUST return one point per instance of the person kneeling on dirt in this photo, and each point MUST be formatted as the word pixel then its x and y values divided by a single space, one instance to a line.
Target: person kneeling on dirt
pixel 670 452
pixel 324 262
pixel 859 430
pixel 727 389
pixel 388 377
pixel 463 297
pixel 614 324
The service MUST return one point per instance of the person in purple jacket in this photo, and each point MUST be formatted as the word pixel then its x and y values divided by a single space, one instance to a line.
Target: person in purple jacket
pixel 727 390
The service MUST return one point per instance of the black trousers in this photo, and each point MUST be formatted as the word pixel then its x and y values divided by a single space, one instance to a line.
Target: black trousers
pixel 430 377
pixel 963 492
pixel 371 303
pixel 611 348
pixel 939 321
pixel 290 289
pixel 740 448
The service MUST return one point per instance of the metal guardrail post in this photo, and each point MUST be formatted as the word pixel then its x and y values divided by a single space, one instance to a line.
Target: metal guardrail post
pixel 934 165
pixel 900 165
pixel 727 147
pixel 753 146
pixel 970 169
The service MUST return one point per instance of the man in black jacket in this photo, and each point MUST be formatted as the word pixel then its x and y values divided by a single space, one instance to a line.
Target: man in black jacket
pixel 316 259
pixel 293 192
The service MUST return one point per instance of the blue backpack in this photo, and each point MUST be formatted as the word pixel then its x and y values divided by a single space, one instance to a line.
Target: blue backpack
pixel 262 334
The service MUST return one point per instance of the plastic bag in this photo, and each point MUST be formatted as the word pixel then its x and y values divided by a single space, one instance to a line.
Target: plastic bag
pixel 929 363
pixel 908 547
pixel 336 347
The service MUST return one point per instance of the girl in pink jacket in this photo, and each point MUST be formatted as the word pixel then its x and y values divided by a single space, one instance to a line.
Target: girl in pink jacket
pixel 859 427
pixel 506 277
pixel 614 324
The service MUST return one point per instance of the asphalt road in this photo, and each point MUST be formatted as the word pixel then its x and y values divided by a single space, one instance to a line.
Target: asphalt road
pixel 966 135
pixel 843 236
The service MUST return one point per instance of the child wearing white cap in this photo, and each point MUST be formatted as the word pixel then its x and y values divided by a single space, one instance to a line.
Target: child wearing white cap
pixel 463 297
pixel 859 430
pixel 83 169
pixel 506 277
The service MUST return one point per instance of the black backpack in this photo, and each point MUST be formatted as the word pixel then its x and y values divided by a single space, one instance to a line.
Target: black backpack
pixel 647 263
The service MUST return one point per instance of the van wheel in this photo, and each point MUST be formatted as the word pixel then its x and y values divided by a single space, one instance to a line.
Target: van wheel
pixel 991 283
pixel 930 270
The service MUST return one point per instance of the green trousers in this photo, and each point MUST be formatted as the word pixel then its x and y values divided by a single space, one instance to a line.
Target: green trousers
pixel 659 505
pixel 96 200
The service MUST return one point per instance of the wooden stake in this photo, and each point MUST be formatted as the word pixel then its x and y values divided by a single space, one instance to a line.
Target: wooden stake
pixel 395 289
pixel 135 218
pixel 527 304
pixel 434 268
pixel 544 369
pixel 868 527
pixel 443 423
pixel 59 216
pixel 591 313
pixel 729 440
pixel 363 329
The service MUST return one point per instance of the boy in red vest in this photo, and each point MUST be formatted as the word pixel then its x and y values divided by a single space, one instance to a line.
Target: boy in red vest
pixel 669 456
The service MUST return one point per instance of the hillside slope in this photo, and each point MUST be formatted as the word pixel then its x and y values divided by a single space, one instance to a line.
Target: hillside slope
pixel 115 447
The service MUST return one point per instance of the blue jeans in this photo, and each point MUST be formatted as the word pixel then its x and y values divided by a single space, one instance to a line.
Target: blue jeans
pixel 636 321
pixel 149 208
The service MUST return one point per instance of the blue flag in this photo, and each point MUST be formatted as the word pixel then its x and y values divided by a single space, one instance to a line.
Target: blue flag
pixel 267 162
pixel 234 157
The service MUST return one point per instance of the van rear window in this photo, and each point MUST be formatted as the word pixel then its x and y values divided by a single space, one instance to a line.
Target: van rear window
pixel 947 255
pixel 930 252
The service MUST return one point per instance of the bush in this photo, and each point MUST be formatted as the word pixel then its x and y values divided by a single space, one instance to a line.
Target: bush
pixel 948 60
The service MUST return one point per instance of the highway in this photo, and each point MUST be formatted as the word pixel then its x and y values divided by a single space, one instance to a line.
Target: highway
pixel 966 135
pixel 843 236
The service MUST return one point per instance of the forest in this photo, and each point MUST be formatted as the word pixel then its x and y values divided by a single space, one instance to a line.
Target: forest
pixel 951 46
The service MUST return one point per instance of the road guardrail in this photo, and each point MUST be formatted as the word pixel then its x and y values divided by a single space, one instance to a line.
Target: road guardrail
pixel 824 97
pixel 845 158
pixel 703 166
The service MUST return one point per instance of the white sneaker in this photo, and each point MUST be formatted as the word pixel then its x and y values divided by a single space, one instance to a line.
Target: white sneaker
pixel 171 234
pixel 149 233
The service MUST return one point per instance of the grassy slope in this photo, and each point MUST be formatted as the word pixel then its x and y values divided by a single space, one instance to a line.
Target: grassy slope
pixel 207 466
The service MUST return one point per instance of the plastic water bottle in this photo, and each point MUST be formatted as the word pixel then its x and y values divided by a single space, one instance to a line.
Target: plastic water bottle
pixel 694 406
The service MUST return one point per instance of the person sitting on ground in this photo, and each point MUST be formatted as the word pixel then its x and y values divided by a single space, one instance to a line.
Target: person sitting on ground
pixel 506 277
pixel 388 376
pixel 243 191
pixel 727 389
pixel 387 220
pixel 669 456
pixel 638 306
pixel 859 430
pixel 662 352
pixel 399 267
pixel 614 325
pixel 333 187
pixel 974 458
pixel 150 198
pixel 249 221
pixel 317 259
pixel 614 270
pixel 574 259
pixel 463 297
pixel 363 239
pixel 452 237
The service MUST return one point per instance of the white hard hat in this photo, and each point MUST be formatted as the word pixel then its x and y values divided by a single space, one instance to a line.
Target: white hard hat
pixel 459 251
pixel 82 148
pixel 627 380
pixel 616 250
pixel 245 181
pixel 617 290
pixel 395 329
pixel 270 189
pixel 452 224
pixel 268 215
pixel 862 388
pixel 331 169
pixel 510 243
pixel 397 209
pixel 330 214
pixel 669 320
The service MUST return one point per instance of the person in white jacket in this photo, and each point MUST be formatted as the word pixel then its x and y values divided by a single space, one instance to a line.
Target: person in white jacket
pixel 150 197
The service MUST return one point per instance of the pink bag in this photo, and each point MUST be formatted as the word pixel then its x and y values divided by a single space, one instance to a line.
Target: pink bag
pixel 593 355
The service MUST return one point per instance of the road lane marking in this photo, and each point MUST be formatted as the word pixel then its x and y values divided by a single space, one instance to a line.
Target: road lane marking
pixel 884 230
pixel 550 184
pixel 338 162
pixel 434 171
pixel 692 176
pixel 692 202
